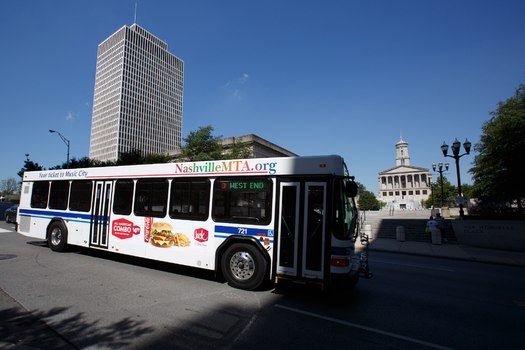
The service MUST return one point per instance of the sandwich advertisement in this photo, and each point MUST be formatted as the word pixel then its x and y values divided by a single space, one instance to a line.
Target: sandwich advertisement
pixel 159 234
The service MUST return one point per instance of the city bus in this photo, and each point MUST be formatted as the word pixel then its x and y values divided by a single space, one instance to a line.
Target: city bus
pixel 252 221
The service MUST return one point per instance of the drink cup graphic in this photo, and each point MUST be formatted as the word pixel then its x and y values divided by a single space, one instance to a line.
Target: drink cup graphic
pixel 147 228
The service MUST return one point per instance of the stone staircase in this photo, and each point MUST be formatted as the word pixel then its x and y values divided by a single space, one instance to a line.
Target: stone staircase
pixel 385 225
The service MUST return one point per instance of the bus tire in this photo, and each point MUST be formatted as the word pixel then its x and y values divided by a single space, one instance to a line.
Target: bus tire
pixel 243 266
pixel 57 236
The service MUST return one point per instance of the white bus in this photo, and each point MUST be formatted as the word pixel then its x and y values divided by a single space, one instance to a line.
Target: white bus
pixel 249 220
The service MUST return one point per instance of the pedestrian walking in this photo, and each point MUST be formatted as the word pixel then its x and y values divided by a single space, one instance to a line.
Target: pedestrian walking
pixel 433 230
pixel 432 224
pixel 441 225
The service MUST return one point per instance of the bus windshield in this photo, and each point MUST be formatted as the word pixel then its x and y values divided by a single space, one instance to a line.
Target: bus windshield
pixel 346 211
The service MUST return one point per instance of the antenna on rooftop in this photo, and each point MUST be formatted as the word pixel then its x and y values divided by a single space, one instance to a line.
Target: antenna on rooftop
pixel 135 18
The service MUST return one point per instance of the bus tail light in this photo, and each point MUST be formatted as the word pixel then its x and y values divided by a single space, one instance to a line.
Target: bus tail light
pixel 340 262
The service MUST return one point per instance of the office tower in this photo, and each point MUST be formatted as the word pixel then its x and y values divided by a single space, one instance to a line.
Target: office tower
pixel 137 103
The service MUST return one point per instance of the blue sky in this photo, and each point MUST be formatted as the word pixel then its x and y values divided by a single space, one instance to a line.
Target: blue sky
pixel 341 77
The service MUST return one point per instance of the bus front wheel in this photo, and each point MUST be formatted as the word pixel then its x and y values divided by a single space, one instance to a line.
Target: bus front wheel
pixel 243 266
pixel 57 236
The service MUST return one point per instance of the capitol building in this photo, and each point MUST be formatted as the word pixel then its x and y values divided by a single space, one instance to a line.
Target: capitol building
pixel 404 186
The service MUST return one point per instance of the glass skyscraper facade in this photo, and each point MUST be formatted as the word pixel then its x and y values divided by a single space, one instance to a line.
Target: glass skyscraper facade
pixel 138 96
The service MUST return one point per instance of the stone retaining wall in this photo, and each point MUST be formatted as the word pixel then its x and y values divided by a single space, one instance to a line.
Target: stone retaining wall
pixel 494 234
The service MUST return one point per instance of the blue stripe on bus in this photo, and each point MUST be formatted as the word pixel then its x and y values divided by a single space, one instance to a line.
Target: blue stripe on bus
pixel 47 217
pixel 341 250
pixel 242 230
pixel 226 231
pixel 48 214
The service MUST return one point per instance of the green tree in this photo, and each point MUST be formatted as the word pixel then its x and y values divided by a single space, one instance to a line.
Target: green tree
pixel 84 162
pixel 135 156
pixel 367 199
pixel 130 158
pixel 201 145
pixel 154 158
pixel 125 158
pixel 467 191
pixel 450 194
pixel 29 165
pixel 497 165
pixel 238 150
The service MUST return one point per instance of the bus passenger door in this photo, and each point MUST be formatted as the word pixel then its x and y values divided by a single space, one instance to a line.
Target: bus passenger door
pixel 100 214
pixel 288 238
pixel 300 251
pixel 313 234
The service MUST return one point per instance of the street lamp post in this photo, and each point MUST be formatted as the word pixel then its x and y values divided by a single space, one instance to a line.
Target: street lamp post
pixel 456 145
pixel 440 171
pixel 66 141
pixel 432 191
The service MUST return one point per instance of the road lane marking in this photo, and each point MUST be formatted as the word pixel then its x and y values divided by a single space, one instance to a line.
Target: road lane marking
pixel 4 230
pixel 366 328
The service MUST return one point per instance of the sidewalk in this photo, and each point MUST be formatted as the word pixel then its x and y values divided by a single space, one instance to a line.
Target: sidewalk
pixel 447 250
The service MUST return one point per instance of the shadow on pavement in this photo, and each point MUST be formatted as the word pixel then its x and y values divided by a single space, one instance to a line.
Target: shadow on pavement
pixel 20 328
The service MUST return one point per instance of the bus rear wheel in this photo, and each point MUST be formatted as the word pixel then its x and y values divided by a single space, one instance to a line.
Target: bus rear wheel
pixel 57 236
pixel 243 266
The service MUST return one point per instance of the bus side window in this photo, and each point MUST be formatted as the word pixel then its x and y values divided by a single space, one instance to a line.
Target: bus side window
pixel 80 198
pixel 59 195
pixel 151 198
pixel 189 199
pixel 123 198
pixel 40 194
pixel 242 200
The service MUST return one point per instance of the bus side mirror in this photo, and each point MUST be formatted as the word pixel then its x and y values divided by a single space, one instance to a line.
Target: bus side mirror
pixel 351 189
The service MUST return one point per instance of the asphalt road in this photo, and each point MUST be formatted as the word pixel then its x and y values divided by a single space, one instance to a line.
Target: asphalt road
pixel 84 299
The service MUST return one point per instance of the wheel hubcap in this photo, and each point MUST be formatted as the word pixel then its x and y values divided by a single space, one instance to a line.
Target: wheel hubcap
pixel 242 266
pixel 56 236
